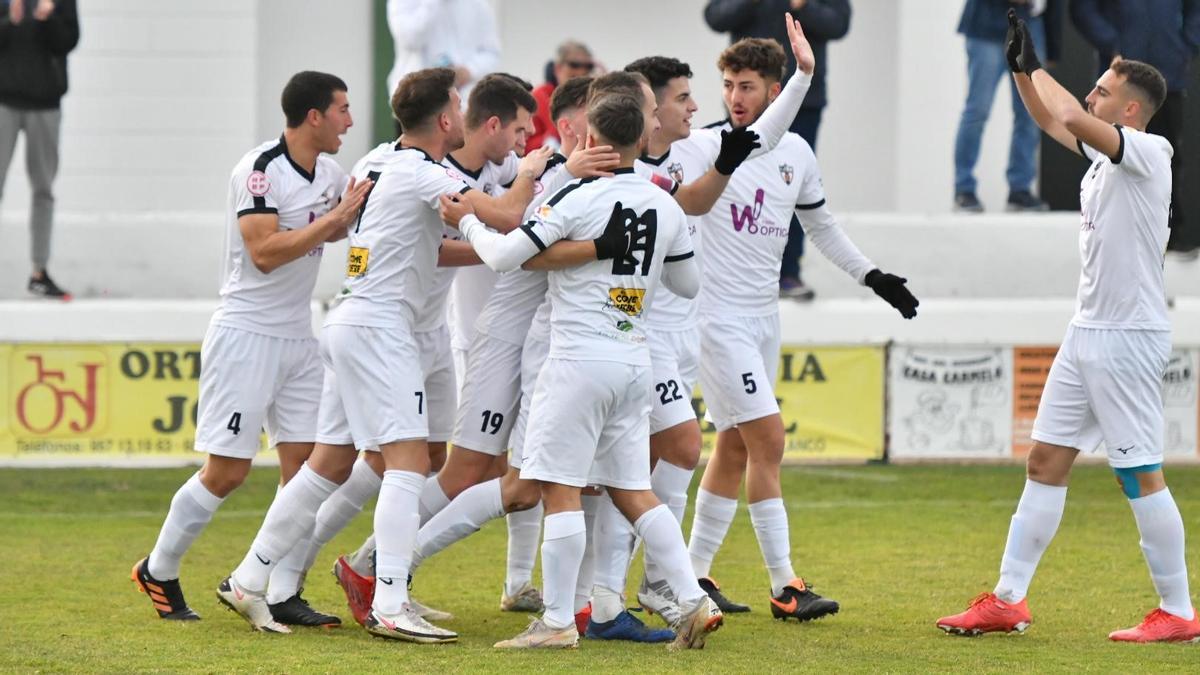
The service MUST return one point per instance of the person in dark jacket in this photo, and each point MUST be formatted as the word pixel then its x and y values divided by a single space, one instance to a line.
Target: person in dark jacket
pixel 35 38
pixel 984 23
pixel 822 21
pixel 1165 34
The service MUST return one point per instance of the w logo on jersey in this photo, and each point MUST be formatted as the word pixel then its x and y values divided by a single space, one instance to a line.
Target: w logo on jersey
pixel 750 214
pixel 786 172
pixel 640 234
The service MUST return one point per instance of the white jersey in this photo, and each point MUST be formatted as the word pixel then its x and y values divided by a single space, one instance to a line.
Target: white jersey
pixel 1124 204
pixel 598 309
pixel 433 315
pixel 394 243
pixel 747 229
pixel 514 300
pixel 685 161
pixel 472 285
pixel 267 181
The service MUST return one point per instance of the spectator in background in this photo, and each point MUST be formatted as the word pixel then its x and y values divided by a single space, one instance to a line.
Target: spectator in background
pixel 985 23
pixel 35 38
pixel 572 59
pixel 1165 34
pixel 822 21
pixel 457 34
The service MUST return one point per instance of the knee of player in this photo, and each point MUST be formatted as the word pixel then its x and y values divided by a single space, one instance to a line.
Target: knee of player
pixel 221 481
pixel 523 496
pixel 1140 481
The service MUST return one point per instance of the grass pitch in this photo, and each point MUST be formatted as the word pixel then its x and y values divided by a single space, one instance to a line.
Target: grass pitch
pixel 898 546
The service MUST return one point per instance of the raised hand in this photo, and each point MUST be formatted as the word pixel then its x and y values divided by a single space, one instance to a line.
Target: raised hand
pixel 594 161
pixel 805 60
pixel 1012 42
pixel 1028 59
pixel 892 289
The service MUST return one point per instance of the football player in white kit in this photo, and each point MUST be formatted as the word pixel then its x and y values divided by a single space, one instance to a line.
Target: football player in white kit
pixel 496 122
pixel 260 365
pixel 373 394
pixel 591 406
pixel 1105 386
pixel 744 237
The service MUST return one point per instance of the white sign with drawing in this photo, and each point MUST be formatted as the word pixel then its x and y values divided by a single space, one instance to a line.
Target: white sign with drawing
pixel 950 401
pixel 1179 403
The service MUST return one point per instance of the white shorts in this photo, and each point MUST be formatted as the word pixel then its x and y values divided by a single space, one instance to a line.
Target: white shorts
pixel 676 364
pixel 250 381
pixel 374 389
pixel 441 388
pixel 460 367
pixel 1106 386
pixel 491 396
pixel 589 424
pixel 533 356
pixel 738 368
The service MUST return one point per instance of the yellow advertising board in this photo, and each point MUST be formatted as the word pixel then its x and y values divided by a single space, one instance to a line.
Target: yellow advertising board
pixel 82 400
pixel 139 399
pixel 832 403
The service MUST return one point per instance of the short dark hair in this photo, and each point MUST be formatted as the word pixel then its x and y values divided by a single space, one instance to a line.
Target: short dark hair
pixel 497 95
pixel 525 84
pixel 758 54
pixel 1146 81
pixel 308 90
pixel 618 82
pixel 617 118
pixel 659 70
pixel 421 95
pixel 570 94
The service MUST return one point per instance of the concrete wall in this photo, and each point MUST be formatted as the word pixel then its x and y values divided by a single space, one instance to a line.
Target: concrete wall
pixel 166 95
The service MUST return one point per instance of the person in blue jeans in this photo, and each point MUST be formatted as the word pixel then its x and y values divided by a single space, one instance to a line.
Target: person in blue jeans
pixel 984 23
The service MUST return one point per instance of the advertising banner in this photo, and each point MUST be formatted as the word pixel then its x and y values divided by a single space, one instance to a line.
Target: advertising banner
pixel 107 399
pixel 832 402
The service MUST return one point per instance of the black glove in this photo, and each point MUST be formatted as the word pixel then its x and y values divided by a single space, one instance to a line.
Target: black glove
pixel 736 146
pixel 612 242
pixel 1028 59
pixel 1012 43
pixel 891 288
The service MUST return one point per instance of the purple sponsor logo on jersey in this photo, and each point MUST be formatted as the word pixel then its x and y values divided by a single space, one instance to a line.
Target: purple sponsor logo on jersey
pixel 750 218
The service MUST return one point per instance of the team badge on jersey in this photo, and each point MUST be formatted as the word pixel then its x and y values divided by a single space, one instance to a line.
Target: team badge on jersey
pixel 675 170
pixel 628 300
pixel 258 183
pixel 544 211
pixel 786 172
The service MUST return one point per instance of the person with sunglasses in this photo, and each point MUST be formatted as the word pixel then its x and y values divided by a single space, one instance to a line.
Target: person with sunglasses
pixel 572 59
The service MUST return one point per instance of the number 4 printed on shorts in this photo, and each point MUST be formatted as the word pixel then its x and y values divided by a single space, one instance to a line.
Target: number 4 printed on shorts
pixel 235 423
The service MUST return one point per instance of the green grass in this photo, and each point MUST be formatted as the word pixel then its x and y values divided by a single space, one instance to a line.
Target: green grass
pixel 898 546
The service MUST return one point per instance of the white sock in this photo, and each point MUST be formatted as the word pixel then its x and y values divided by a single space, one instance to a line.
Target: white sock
pixel 562 552
pixel 710 524
pixel 524 531
pixel 670 484
pixel 770 521
pixel 587 568
pixel 345 503
pixel 612 543
pixel 607 604
pixel 469 511
pixel 362 560
pixel 663 539
pixel 191 509
pixel 433 499
pixel 396 525
pixel 1161 527
pixel 290 519
pixel 288 576
pixel 1033 526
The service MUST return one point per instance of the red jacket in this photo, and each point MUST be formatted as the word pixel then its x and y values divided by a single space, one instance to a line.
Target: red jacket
pixel 543 126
